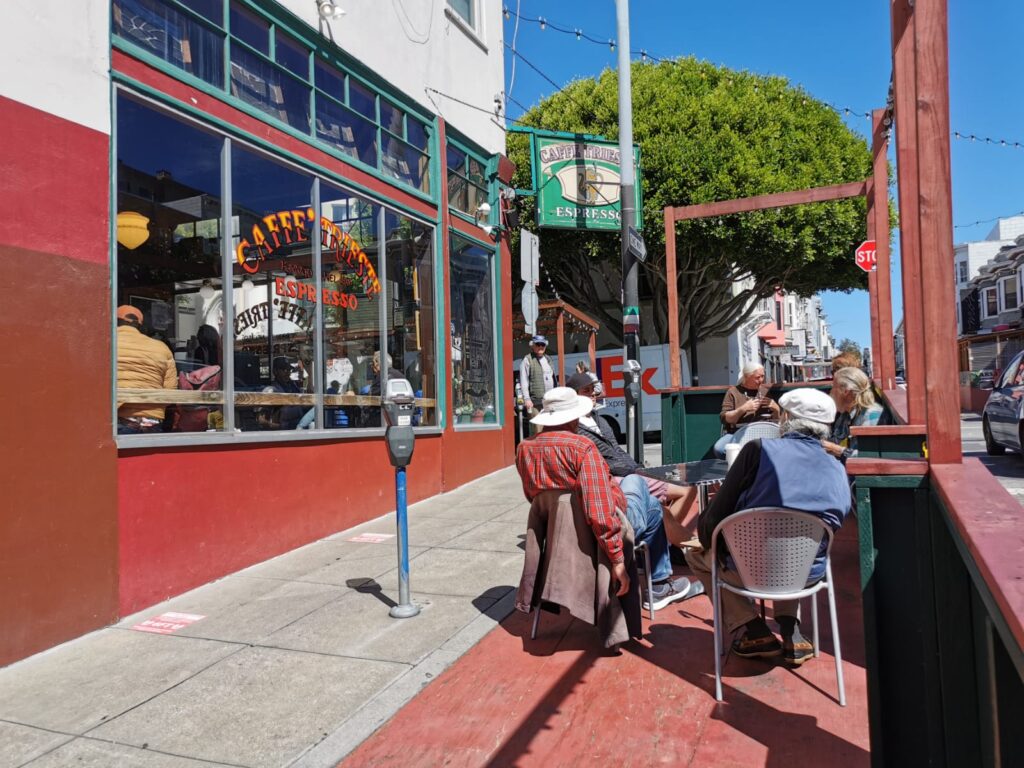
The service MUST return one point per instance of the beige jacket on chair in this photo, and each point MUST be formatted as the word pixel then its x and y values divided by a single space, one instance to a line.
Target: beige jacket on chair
pixel 565 566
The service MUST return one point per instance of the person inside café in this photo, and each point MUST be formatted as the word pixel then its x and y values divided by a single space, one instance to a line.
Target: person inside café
pixel 281 416
pixel 142 363
pixel 679 502
pixel 557 458
pixel 743 404
pixel 855 407
pixel 793 472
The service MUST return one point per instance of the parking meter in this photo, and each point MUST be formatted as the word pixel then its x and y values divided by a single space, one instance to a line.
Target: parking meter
pixel 399 403
pixel 632 379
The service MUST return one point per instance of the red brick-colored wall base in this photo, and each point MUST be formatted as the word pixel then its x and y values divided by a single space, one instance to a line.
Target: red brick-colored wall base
pixel 58 517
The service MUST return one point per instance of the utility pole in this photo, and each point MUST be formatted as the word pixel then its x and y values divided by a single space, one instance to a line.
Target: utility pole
pixel 630 297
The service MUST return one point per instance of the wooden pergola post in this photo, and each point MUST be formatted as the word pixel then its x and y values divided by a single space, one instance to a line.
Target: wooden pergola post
pixel 931 49
pixel 885 353
pixel 905 112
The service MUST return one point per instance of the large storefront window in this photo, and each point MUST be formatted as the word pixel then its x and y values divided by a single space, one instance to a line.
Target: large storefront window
pixel 298 276
pixel 411 315
pixel 275 306
pixel 168 291
pixel 351 259
pixel 474 398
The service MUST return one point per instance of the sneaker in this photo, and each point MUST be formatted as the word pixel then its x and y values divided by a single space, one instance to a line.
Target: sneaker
pixel 795 653
pixel 671 591
pixel 757 642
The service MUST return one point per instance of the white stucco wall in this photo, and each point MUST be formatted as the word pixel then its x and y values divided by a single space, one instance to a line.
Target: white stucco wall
pixel 415 44
pixel 55 58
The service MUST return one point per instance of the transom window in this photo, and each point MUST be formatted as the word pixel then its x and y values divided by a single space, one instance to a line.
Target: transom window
pixel 467 179
pixel 280 75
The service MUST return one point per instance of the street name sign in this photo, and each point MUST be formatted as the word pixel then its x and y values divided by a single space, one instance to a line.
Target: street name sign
pixel 636 245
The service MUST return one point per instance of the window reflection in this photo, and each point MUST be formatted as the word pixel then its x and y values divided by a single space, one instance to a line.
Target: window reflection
pixel 275 306
pixel 270 89
pixel 171 36
pixel 168 272
pixel 351 309
pixel 473 345
pixel 411 313
pixel 347 131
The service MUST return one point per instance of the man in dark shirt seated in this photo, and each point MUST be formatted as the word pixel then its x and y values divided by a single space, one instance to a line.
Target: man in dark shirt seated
pixel 794 472
pixel 678 501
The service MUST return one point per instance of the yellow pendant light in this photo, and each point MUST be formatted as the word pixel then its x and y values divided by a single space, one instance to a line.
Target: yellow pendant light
pixel 132 229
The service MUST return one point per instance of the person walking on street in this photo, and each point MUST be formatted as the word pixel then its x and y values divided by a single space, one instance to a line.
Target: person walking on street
pixel 536 376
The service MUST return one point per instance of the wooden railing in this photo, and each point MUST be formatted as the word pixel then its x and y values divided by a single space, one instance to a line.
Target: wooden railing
pixel 200 397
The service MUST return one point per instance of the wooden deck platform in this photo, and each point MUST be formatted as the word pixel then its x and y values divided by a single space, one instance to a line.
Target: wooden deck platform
pixel 560 700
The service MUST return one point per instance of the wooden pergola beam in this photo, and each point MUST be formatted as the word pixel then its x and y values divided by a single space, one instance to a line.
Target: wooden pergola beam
pixel 725 207
pixel 775 200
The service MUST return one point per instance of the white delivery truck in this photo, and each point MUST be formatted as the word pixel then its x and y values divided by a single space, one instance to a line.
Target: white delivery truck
pixel 654 362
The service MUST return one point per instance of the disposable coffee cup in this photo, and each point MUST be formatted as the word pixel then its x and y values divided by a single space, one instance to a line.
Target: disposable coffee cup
pixel 732 450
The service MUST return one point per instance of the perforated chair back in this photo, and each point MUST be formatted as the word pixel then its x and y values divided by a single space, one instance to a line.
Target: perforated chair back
pixel 764 430
pixel 772 548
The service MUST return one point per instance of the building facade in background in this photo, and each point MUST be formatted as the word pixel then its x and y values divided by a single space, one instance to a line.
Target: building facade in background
pixel 290 204
pixel 968 261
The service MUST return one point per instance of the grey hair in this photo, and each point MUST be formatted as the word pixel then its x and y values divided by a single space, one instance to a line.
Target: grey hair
pixel 747 370
pixel 813 429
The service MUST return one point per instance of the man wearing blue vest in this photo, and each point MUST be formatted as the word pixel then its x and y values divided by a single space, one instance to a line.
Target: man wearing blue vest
pixel 795 472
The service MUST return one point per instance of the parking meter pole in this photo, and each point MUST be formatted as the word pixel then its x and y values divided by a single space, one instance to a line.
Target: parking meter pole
pixel 399 408
pixel 405 608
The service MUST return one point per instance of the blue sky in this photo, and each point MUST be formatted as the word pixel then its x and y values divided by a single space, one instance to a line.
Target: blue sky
pixel 840 52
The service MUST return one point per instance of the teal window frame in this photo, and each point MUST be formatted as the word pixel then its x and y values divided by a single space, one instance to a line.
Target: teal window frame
pixel 281 21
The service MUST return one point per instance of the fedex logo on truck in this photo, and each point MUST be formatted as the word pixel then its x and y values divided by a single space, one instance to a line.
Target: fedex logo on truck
pixel 609 371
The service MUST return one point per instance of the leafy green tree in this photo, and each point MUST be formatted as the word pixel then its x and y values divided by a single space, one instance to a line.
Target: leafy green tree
pixel 850 347
pixel 706 134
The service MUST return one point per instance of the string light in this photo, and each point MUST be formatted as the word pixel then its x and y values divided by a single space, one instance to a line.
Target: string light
pixel 543 23
pixel 579 34
pixel 987 221
pixel 506 12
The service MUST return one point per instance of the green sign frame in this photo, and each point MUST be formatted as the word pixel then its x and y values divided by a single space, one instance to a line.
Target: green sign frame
pixel 577 182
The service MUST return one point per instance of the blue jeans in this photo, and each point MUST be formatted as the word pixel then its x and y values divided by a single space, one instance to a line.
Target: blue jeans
pixel 727 438
pixel 644 513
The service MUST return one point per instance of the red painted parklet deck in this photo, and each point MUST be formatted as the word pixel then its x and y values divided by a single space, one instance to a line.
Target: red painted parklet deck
pixel 559 700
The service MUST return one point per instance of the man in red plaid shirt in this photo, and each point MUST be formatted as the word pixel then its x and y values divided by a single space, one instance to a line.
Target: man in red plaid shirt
pixel 559 459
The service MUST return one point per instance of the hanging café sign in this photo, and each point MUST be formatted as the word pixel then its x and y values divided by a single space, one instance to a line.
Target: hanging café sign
pixel 289 227
pixel 579 183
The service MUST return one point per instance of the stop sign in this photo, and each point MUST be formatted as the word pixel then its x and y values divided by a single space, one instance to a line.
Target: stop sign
pixel 865 255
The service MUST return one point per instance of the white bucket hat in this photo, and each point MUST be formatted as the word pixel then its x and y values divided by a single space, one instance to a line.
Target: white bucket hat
pixel 562 405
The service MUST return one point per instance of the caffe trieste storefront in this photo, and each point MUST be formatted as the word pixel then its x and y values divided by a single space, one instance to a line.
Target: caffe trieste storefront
pixel 287 232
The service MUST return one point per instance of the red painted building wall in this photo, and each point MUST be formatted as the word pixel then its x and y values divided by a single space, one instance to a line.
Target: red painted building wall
pixel 88 533
pixel 58 517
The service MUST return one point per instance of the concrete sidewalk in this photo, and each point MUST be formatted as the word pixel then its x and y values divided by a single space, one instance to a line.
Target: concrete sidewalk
pixel 294 662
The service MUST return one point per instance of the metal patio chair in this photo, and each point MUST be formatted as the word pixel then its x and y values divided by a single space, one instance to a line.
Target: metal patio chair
pixel 765 430
pixel 773 550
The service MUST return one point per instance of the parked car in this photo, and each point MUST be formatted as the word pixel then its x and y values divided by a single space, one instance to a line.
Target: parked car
pixel 1003 417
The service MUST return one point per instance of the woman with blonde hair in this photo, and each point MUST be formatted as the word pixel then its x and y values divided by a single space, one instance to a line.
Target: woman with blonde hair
pixel 856 407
